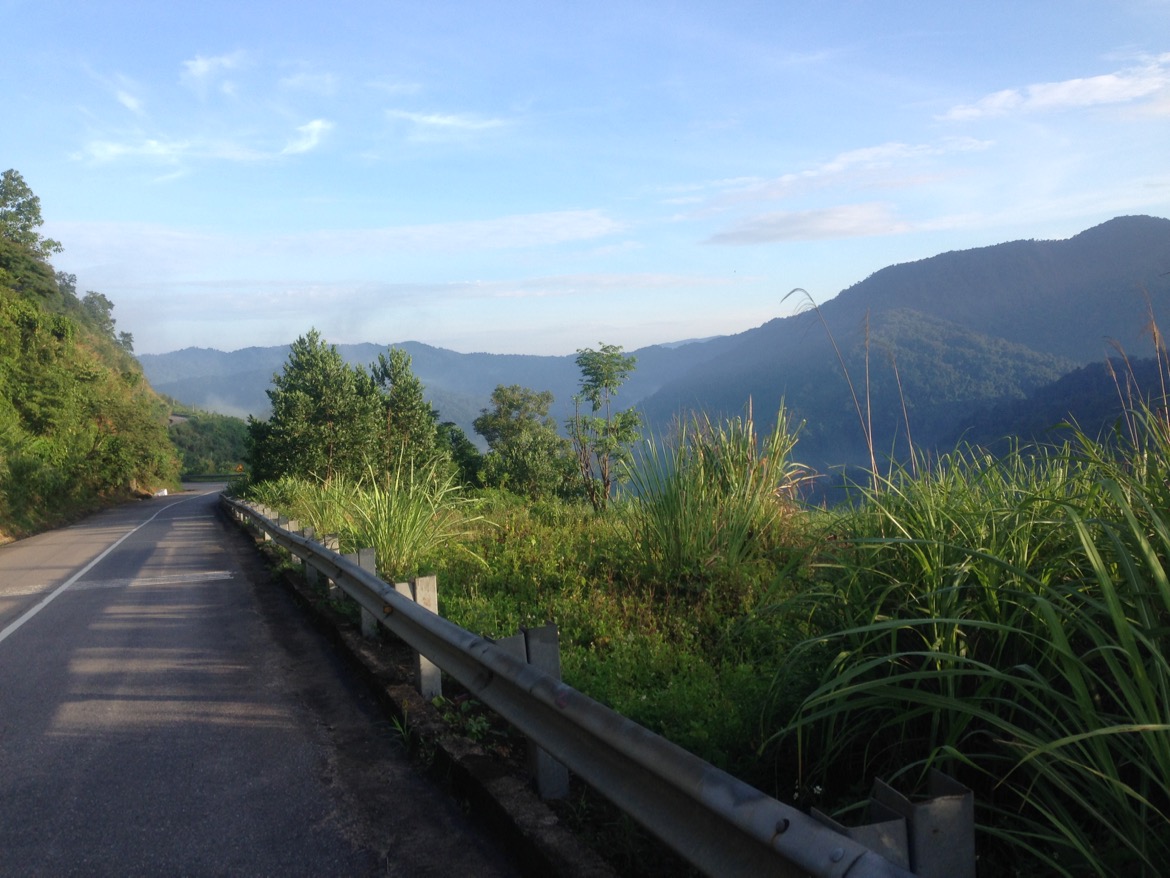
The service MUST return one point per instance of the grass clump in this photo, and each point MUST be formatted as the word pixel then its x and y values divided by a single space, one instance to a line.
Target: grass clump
pixel 1005 620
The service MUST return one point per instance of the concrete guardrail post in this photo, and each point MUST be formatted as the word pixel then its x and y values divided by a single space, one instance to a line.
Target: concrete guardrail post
pixel 541 648
pixel 424 591
pixel 311 574
pixel 367 560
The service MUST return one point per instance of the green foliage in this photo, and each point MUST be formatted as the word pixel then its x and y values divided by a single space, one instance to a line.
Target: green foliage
pixel 77 422
pixel 601 439
pixel 208 444
pixel 453 443
pixel 406 517
pixel 326 417
pixel 714 496
pixel 410 420
pixel 20 217
pixel 526 455
pixel 1006 620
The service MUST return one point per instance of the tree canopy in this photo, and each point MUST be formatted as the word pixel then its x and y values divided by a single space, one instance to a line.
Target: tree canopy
pixel 601 438
pixel 78 422
pixel 20 217
pixel 526 454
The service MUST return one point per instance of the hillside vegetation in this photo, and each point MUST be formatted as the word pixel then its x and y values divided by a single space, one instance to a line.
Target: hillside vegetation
pixel 79 424
pixel 1004 618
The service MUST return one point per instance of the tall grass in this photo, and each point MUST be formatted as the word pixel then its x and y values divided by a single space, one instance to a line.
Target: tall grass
pixel 1007 621
pixel 407 516
pixel 713 494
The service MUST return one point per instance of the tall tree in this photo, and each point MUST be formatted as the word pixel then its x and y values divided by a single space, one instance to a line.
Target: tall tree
pixel 601 437
pixel 410 421
pixel 526 455
pixel 326 417
pixel 20 216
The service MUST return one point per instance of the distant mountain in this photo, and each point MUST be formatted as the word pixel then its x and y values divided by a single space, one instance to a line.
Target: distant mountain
pixel 969 330
pixel 458 385
pixel 931 348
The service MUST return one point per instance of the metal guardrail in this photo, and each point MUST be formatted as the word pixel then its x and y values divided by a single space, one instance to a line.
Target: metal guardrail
pixel 718 823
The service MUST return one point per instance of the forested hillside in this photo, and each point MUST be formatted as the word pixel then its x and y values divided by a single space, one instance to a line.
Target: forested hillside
pixel 931 347
pixel 79 424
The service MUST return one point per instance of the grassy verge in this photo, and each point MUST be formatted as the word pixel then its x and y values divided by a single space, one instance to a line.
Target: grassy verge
pixel 1003 619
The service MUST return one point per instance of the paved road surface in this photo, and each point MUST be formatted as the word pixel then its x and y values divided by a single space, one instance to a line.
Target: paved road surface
pixel 162 715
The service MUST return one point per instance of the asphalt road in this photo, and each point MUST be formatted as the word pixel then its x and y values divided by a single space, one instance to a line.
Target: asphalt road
pixel 165 711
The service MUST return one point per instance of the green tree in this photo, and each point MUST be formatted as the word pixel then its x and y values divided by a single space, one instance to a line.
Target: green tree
pixel 410 421
pixel 601 437
pixel 20 216
pixel 526 455
pixel 465 457
pixel 326 417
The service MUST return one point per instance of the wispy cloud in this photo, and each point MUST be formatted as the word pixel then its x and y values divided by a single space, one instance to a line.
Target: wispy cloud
pixel 101 242
pixel 202 72
pixel 430 125
pixel 845 221
pixel 395 86
pixel 130 102
pixel 310 137
pixel 1124 86
pixel 866 166
pixel 523 230
pixel 168 151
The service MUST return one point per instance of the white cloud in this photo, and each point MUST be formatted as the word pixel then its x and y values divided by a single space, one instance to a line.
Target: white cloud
pixel 845 221
pixel 200 73
pixel 867 167
pixel 524 230
pixel 167 151
pixel 310 137
pixel 395 86
pixel 1124 86
pixel 445 124
pixel 149 148
pixel 130 102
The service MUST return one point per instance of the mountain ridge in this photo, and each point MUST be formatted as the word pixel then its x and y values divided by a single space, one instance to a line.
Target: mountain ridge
pixel 939 339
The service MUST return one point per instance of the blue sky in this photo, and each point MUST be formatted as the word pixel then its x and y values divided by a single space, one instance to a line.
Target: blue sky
pixel 521 177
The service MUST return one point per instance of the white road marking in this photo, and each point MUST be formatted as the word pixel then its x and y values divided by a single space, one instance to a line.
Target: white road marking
pixel 11 629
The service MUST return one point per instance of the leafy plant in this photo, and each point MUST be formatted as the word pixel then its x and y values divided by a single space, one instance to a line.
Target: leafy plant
pixel 714 495
pixel 1006 620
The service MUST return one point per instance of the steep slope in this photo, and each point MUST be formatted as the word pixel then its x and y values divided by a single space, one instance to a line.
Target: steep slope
pixel 78 424
pixel 967 330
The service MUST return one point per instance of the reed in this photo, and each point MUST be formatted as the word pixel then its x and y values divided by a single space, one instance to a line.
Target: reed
pixel 1007 620
pixel 713 495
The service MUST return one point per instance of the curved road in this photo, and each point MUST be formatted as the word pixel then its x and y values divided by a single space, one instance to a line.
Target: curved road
pixel 160 714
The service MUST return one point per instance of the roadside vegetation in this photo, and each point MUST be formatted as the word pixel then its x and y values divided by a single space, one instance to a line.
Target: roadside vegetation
pixel 1003 618
pixel 210 445
pixel 79 425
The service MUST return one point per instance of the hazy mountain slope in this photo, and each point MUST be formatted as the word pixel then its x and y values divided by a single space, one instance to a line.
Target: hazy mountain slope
pixel 968 330
pixel 458 385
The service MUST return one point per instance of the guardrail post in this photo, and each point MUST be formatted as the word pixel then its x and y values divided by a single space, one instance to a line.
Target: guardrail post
pixel 332 542
pixel 541 647
pixel 293 526
pixel 265 537
pixel 424 591
pixel 367 560
pixel 941 828
pixel 311 574
pixel 932 838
